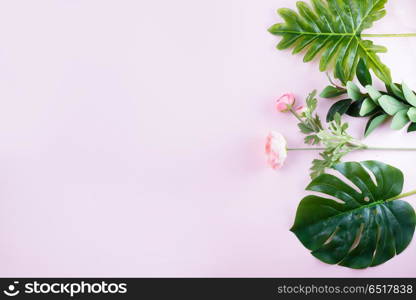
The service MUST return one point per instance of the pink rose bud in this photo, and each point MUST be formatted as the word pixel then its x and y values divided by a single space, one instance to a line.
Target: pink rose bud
pixel 300 110
pixel 276 150
pixel 284 103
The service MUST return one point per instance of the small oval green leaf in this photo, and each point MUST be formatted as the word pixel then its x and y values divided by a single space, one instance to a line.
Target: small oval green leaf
pixel 340 107
pixel 367 107
pixel 354 92
pixel 332 92
pixel 354 110
pixel 400 120
pixel 375 122
pixel 412 127
pixel 363 74
pixel 391 105
pixel 409 95
pixel 396 90
pixel 373 93
pixel 411 113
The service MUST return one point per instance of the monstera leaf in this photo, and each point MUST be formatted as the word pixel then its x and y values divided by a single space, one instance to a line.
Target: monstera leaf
pixel 334 28
pixel 365 225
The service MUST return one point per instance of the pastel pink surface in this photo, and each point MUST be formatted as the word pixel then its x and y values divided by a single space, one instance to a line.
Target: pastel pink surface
pixel 133 139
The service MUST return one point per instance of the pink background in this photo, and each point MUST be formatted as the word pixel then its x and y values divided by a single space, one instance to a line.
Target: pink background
pixel 132 139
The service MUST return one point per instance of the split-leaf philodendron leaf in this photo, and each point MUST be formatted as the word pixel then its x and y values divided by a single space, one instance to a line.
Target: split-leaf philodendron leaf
pixel 366 225
pixel 334 28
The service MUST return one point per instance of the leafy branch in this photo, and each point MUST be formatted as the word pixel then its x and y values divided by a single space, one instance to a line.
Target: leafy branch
pixel 398 102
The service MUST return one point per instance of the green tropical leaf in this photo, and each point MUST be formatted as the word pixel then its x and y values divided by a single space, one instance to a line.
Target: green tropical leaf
pixel 359 229
pixel 334 28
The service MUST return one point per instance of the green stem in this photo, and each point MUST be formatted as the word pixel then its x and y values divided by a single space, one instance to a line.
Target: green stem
pixel 332 82
pixel 305 149
pixel 390 35
pixel 389 149
pixel 361 147
pixel 358 145
pixel 296 115
pixel 401 196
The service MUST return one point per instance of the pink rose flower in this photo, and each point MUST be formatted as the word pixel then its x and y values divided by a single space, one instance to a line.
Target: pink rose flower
pixel 300 110
pixel 276 150
pixel 284 103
